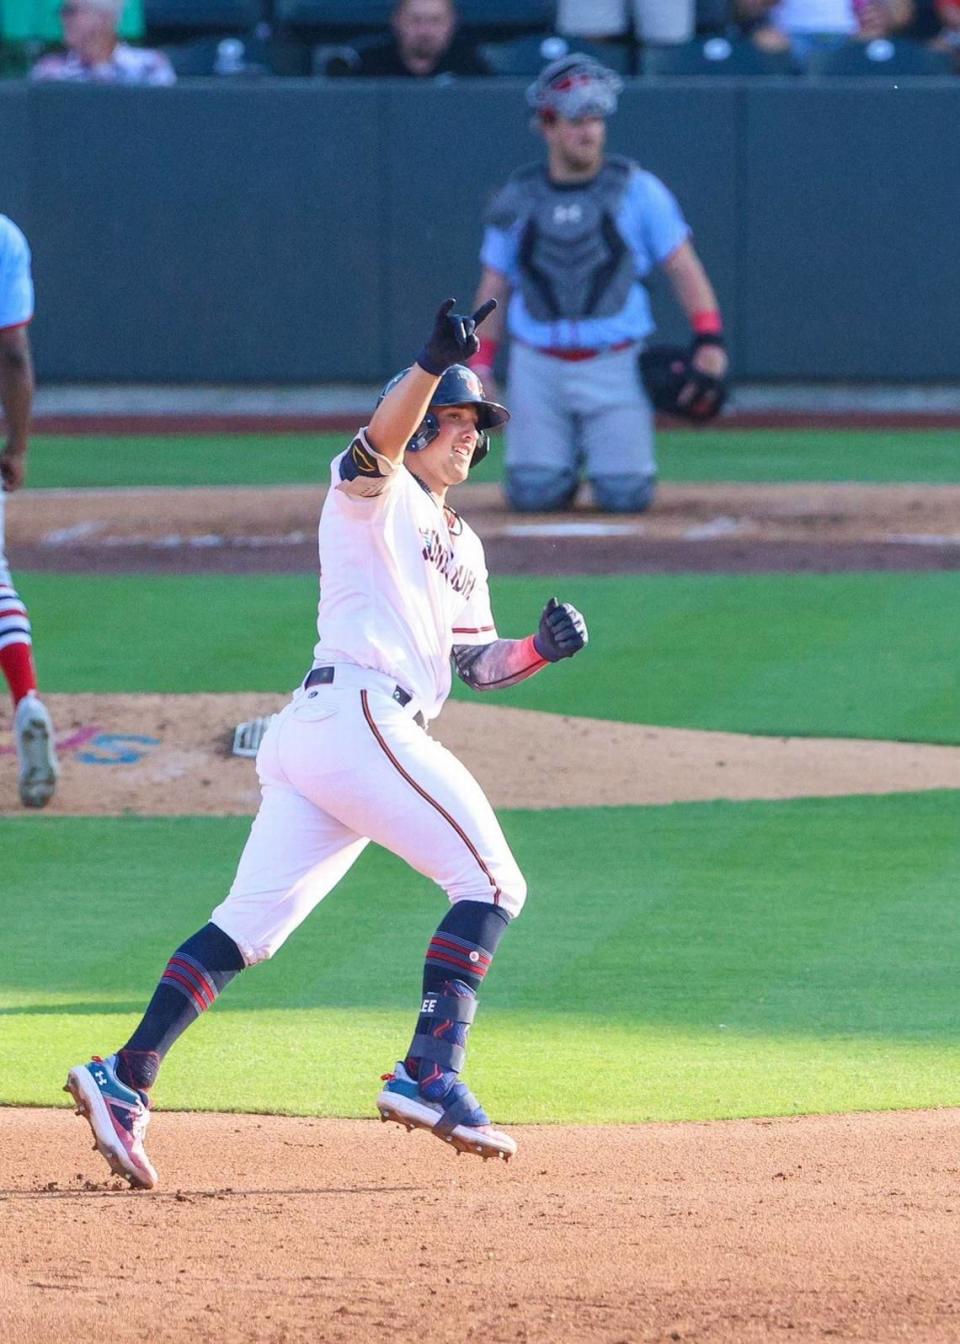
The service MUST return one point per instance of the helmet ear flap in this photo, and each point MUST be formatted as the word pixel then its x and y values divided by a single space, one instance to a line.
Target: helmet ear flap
pixel 482 448
pixel 428 431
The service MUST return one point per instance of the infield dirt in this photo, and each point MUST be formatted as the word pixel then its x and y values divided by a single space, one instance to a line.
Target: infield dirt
pixel 277 1229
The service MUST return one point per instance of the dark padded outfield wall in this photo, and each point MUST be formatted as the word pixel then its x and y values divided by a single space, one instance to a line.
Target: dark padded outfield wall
pixel 846 218
pixel 15 153
pixel 295 231
pixel 206 232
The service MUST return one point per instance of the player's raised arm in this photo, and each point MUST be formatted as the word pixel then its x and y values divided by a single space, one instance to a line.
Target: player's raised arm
pixel 452 341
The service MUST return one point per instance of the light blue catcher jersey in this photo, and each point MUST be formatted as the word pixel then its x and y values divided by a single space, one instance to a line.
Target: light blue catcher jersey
pixel 651 225
pixel 16 286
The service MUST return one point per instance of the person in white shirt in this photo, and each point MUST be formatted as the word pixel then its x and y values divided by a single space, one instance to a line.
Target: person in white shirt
pixel 349 760
pixel 95 53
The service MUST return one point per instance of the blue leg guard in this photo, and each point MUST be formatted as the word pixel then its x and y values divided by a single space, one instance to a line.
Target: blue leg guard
pixel 540 489
pixel 624 494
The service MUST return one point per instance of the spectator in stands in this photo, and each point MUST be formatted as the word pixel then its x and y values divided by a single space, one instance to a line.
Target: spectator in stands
pixel 948 38
pixel 805 26
pixel 425 45
pixel 660 22
pixel 95 54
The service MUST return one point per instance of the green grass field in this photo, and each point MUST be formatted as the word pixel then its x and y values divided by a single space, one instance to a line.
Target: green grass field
pixel 725 960
pixel 684 455
pixel 690 962
pixel 860 655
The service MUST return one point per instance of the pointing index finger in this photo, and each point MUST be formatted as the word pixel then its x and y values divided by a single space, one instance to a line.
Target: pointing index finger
pixel 484 311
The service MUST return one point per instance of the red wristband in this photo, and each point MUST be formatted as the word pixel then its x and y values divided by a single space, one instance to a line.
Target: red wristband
pixel 707 323
pixel 486 356
pixel 530 649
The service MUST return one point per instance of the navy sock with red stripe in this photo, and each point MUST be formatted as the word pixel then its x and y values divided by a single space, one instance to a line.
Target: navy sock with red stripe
pixel 458 957
pixel 195 975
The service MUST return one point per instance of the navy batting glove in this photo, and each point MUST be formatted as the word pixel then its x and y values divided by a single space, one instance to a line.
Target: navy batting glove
pixel 453 339
pixel 562 632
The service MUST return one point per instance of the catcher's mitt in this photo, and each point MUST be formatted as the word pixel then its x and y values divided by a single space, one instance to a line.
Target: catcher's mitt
pixel 675 386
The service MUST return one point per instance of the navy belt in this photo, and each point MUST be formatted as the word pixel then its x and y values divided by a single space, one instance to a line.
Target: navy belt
pixel 323 676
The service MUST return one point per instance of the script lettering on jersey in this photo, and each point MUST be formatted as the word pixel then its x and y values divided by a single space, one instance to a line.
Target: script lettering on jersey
pixel 460 578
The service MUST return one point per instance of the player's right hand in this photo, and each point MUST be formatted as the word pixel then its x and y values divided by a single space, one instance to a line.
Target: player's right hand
pixel 453 339
pixel 562 632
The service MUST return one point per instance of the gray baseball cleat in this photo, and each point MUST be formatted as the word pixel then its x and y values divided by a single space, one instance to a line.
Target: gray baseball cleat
pixel 33 735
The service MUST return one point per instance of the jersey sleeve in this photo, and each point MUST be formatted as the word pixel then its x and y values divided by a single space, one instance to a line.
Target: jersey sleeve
pixel 16 284
pixel 361 472
pixel 474 623
pixel 661 220
pixel 499 250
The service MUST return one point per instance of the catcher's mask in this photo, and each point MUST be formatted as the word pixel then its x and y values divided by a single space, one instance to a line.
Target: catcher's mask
pixel 666 370
pixel 459 386
pixel 574 86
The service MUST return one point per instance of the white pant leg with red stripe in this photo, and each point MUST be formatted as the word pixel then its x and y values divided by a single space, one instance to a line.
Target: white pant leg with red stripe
pixel 14 621
pixel 342 765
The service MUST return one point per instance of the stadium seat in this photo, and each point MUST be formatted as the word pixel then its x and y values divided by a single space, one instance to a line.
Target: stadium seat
pixel 715 56
pixel 528 55
pixel 318 15
pixel 34 21
pixel 201 16
pixel 881 57
pixel 506 16
pixel 332 59
pixel 221 57
pixel 713 16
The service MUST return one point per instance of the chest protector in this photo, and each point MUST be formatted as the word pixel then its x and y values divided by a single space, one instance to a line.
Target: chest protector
pixel 574 262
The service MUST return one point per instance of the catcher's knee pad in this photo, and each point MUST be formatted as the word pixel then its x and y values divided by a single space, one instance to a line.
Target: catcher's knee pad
pixel 540 489
pixel 629 493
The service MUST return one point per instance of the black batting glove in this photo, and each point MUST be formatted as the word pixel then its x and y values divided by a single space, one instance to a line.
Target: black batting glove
pixel 453 339
pixel 562 632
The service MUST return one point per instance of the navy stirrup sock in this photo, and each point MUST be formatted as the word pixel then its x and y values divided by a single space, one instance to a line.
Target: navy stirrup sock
pixel 194 977
pixel 458 957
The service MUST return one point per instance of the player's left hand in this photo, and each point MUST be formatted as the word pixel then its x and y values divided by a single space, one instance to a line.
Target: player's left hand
pixel 13 469
pixel 562 632
pixel 453 339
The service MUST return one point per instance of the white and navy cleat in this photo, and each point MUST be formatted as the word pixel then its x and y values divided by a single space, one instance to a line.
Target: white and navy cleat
pixel 401 1102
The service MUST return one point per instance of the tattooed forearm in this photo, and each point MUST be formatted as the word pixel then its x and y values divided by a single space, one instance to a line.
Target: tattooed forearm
pixel 492 667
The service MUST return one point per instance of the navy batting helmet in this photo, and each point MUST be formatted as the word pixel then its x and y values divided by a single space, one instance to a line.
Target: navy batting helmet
pixel 459 386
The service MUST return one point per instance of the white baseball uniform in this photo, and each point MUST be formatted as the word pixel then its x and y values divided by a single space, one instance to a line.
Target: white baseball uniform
pixel 16 310
pixel 403 580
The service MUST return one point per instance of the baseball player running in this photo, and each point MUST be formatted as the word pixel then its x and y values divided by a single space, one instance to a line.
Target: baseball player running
pixel 349 760
pixel 32 729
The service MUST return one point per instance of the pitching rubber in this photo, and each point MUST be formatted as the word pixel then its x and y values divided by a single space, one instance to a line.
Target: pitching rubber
pixel 416 1115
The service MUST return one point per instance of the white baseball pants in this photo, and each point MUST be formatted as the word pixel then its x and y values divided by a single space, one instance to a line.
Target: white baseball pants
pixel 343 764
